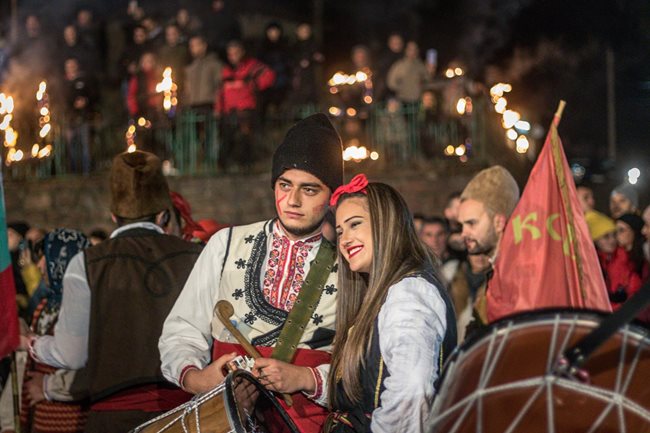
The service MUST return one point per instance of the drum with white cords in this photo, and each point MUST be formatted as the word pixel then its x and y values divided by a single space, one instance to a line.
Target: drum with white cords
pixel 239 405
pixel 504 381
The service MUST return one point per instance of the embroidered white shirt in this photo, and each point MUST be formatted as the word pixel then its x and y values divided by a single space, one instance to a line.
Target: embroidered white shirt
pixel 186 338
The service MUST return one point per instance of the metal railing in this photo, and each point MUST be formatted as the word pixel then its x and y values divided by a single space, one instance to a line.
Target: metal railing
pixel 192 141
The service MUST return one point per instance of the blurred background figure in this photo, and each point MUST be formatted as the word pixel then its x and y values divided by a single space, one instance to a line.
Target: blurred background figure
pixel 623 199
pixel 586 198
pixel 619 270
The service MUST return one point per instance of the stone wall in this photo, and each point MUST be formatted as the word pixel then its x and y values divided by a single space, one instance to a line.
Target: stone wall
pixel 83 202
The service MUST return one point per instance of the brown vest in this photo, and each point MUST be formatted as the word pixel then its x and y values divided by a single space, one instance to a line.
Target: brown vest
pixel 134 281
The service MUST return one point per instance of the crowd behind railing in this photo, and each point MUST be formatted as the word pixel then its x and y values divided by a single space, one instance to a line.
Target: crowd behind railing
pixel 223 100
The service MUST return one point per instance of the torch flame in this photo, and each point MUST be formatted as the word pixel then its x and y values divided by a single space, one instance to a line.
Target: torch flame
pixel 460 106
pixel 11 136
pixel 510 117
pixel 356 153
pixel 45 152
pixel 41 90
pixel 45 130
pixel 5 122
pixel 166 84
pixel 522 144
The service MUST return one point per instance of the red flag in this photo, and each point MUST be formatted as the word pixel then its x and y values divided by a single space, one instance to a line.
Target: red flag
pixel 546 257
pixel 9 333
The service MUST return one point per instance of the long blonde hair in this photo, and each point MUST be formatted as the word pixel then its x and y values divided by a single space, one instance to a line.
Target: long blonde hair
pixel 397 253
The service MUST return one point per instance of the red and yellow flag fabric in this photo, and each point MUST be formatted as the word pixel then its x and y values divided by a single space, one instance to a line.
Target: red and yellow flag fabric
pixel 9 333
pixel 546 257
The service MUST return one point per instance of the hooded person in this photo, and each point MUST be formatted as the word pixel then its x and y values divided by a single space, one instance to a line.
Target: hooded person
pixel 129 281
pixel 280 277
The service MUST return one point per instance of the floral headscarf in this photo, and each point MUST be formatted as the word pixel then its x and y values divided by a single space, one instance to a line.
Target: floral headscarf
pixel 59 247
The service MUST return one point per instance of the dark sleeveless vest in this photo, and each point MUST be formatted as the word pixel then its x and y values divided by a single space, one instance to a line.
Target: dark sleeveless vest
pixel 134 281
pixel 357 416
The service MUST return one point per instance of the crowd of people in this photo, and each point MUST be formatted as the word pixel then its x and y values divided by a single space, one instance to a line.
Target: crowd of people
pixel 240 83
pixel 353 302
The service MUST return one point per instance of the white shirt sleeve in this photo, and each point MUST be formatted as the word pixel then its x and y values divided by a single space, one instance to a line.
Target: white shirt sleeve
pixel 411 324
pixel 186 337
pixel 321 396
pixel 68 347
pixel 56 386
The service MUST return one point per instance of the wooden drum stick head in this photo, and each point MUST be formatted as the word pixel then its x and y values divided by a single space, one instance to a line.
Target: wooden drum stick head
pixel 225 309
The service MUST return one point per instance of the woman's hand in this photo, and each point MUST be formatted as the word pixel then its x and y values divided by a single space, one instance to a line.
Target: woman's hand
pixel 34 387
pixel 283 377
pixel 197 381
pixel 26 335
pixel 25 258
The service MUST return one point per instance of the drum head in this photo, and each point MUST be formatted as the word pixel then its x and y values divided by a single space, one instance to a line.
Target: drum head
pixel 252 408
pixel 505 380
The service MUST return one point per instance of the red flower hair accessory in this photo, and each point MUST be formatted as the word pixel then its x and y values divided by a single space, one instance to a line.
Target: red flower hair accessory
pixel 183 206
pixel 357 184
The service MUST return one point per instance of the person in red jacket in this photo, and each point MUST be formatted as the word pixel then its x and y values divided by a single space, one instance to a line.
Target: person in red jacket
pixel 243 78
pixel 621 277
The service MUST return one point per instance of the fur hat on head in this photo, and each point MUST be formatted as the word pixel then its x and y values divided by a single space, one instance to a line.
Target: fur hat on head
pixel 138 187
pixel 314 146
pixel 495 188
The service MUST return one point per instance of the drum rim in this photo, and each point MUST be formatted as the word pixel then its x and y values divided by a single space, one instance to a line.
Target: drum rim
pixel 231 405
pixel 524 317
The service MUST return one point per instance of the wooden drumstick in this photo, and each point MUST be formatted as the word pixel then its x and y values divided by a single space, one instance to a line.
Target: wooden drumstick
pixel 224 311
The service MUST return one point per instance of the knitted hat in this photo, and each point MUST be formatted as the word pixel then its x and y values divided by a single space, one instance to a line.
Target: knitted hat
pixel 495 188
pixel 628 191
pixel 138 187
pixel 599 224
pixel 314 146
pixel 634 221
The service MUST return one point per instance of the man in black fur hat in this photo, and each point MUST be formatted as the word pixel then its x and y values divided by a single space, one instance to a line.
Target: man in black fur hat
pixel 279 275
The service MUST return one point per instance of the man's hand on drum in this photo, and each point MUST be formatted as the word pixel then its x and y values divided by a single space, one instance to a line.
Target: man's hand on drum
pixel 283 377
pixel 197 381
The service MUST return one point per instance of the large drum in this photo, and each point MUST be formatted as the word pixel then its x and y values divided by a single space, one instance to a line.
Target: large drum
pixel 239 405
pixel 503 381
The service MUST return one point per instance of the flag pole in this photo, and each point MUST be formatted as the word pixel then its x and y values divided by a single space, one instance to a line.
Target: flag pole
pixel 14 386
pixel 558 162
pixel 558 114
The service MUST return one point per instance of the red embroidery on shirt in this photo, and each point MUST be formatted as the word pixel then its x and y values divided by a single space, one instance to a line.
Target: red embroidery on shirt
pixel 281 290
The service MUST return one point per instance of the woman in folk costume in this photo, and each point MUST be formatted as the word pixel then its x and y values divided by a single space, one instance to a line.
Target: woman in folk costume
pixel 395 323
pixel 43 383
